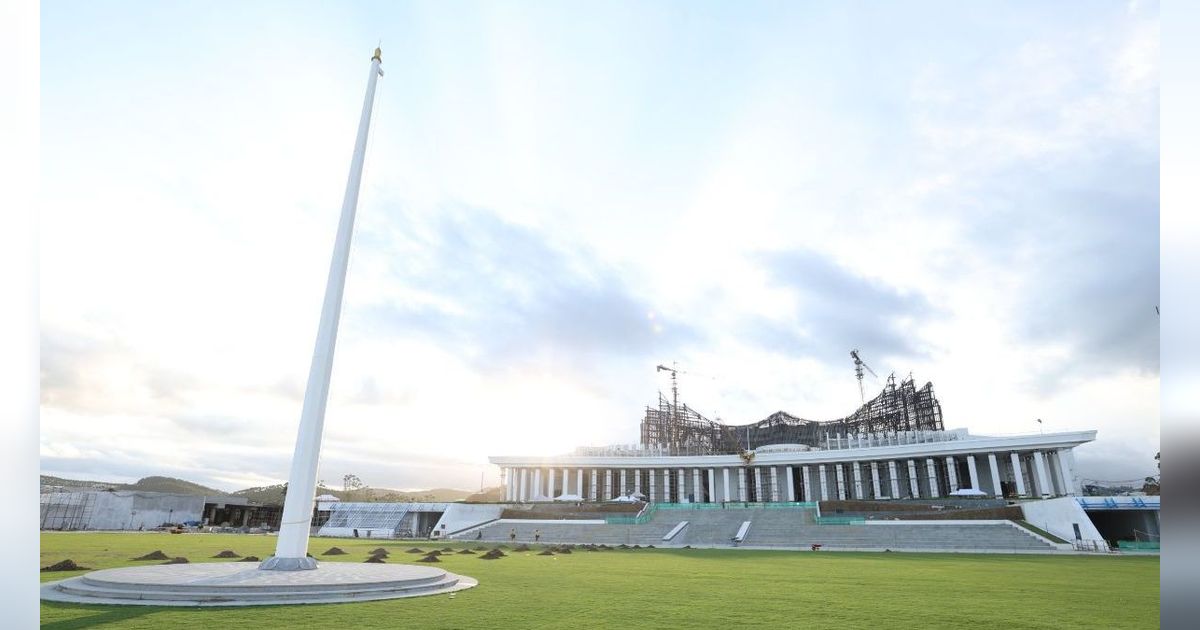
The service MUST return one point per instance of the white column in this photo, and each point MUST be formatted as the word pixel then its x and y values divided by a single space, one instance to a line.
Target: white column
pixel 995 467
pixel 858 487
pixel 728 490
pixel 565 482
pixel 1039 464
pixel 934 492
pixel 952 474
pixel 608 486
pixel 742 484
pixel 522 478
pixel 791 485
pixel 682 485
pixel 913 482
pixel 875 479
pixel 775 484
pixel 805 484
pixel 579 482
pixel 624 485
pixel 667 485
pixel 595 479
pixel 650 476
pixel 895 481
pixel 537 484
pixel 973 472
pixel 712 485
pixel 758 493
pixel 1065 472
pixel 637 480
pixel 841 482
pixel 291 546
pixel 824 482
pixel 697 487
pixel 1018 475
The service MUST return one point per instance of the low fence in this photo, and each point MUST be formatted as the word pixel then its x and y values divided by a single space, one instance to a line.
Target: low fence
pixel 645 515
pixel 839 520
pixel 1138 545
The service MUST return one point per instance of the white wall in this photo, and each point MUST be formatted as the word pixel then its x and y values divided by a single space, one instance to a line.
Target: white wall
pixel 462 515
pixel 1057 517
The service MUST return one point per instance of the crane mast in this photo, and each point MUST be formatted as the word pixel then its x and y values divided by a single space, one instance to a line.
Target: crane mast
pixel 859 366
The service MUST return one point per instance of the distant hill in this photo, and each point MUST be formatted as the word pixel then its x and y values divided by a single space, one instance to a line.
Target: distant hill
pixel 145 484
pixel 274 494
pixel 171 484
pixel 488 495
pixel 271 495
pixel 60 482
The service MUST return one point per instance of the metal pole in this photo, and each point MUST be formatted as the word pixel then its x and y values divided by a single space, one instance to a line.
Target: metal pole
pixel 291 549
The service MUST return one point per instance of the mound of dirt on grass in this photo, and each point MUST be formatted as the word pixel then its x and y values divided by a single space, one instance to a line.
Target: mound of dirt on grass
pixel 375 560
pixel 249 559
pixel 622 546
pixel 228 554
pixel 649 546
pixel 546 552
pixel 414 550
pixel 492 555
pixel 590 548
pixel 521 548
pixel 562 550
pixel 429 558
pixel 687 546
pixel 466 551
pixel 379 551
pixel 481 549
pixel 334 551
pixel 637 546
pixel 154 555
pixel 178 560
pixel 448 549
pixel 65 565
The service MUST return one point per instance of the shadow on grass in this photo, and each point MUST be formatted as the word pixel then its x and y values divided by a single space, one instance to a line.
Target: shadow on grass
pixel 99 616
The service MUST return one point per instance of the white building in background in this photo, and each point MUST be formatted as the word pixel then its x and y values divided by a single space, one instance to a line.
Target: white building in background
pixel 893 447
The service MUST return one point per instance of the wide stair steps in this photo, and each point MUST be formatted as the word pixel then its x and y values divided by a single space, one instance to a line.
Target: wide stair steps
pixel 775 527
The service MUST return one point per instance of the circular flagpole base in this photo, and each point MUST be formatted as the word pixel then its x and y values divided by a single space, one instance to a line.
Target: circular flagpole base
pixel 236 584
pixel 275 563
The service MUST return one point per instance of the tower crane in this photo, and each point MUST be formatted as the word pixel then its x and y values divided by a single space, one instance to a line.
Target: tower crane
pixel 859 366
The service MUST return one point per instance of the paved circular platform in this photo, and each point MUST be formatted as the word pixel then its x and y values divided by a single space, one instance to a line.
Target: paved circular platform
pixel 236 584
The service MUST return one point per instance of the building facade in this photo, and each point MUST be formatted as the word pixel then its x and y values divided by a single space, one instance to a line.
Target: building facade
pixel 893 447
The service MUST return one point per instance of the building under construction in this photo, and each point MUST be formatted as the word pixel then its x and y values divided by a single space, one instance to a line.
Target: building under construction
pixel 899 408
pixel 894 446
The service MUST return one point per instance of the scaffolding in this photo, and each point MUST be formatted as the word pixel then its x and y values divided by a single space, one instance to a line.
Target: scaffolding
pixel 681 430
pixel 66 511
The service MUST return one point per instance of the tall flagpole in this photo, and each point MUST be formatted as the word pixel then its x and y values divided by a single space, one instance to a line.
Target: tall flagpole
pixel 291 550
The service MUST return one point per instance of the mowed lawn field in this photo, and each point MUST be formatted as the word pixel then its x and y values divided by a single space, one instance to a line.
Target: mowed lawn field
pixel 659 588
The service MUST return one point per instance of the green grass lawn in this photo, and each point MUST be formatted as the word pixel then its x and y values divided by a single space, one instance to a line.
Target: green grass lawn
pixel 659 588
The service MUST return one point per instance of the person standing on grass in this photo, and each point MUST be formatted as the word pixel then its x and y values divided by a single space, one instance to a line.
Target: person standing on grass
pixel 537 535
pixel 512 535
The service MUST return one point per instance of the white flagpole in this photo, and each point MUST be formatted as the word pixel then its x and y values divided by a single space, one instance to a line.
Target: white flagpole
pixel 291 549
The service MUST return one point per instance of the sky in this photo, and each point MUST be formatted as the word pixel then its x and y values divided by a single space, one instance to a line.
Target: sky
pixel 560 196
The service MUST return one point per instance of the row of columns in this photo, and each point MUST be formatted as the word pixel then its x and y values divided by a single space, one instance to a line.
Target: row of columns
pixel 1035 473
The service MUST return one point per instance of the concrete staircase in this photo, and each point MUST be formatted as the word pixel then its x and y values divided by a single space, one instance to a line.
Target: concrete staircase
pixel 777 527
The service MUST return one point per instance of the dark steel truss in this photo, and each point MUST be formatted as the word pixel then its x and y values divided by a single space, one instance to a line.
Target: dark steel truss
pixel 899 407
